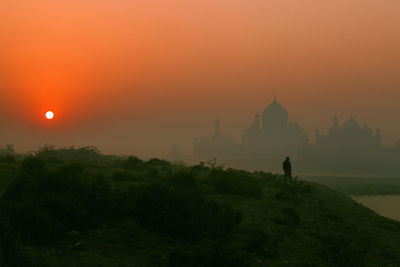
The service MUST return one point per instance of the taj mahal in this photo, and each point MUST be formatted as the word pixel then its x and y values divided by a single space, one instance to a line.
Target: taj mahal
pixel 269 138
pixel 272 136
pixel 347 147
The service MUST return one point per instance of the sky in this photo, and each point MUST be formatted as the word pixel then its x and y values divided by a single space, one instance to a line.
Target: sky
pixel 137 77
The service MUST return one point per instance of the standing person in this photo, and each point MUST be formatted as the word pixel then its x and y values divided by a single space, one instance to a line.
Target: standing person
pixel 287 168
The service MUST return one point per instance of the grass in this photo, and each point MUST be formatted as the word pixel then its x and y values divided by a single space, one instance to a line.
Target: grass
pixel 267 221
pixel 359 185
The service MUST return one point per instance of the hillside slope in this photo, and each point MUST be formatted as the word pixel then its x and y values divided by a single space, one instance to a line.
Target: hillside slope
pixel 113 211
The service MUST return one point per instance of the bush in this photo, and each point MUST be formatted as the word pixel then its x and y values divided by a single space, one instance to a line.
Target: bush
pixel 131 233
pixel 12 253
pixel 200 167
pixel 33 166
pixel 235 182
pixel 44 205
pixel 69 154
pixel 32 225
pixel 126 176
pixel 262 244
pixel 210 254
pixel 8 158
pixel 292 190
pixel 183 213
pixel 287 195
pixel 186 179
pixel 256 242
pixel 290 218
pixel 157 162
pixel 133 163
pixel 339 250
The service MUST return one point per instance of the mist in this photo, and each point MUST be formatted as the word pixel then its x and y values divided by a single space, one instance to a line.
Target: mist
pixel 199 133
pixel 151 75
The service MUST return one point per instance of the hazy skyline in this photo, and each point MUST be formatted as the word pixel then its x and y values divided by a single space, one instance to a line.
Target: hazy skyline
pixel 140 76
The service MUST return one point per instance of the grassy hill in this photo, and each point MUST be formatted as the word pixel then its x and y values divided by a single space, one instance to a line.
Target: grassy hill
pixel 359 185
pixel 122 211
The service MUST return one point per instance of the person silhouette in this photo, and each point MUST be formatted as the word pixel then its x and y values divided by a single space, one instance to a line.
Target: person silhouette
pixel 287 168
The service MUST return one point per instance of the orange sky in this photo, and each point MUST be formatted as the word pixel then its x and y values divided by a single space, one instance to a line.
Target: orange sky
pixel 139 76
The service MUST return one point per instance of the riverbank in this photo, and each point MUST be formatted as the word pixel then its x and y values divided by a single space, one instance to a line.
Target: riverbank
pixel 351 185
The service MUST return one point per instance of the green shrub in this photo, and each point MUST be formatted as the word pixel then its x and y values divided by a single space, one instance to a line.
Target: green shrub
pixel 44 205
pixel 291 190
pixel 69 154
pixel 133 163
pixel 210 254
pixel 183 213
pixel 8 158
pixel 290 218
pixel 152 171
pixel 157 162
pixel 33 166
pixel 12 252
pixel 256 242
pixel 235 182
pixel 126 176
pixel 184 178
pixel 200 167
pixel 339 250
pixel 130 233
pixel 32 225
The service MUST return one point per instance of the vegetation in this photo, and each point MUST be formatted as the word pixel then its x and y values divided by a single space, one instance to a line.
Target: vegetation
pixel 360 185
pixel 77 207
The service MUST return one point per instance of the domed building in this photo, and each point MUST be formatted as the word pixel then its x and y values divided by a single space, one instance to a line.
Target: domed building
pixel 274 117
pixel 273 137
pixel 351 135
pixel 269 139
pixel 216 145
pixel 348 148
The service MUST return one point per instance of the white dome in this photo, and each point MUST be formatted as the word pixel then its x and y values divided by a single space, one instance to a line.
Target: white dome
pixel 274 116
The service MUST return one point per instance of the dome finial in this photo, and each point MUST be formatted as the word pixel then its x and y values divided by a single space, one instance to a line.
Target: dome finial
pixel 274 97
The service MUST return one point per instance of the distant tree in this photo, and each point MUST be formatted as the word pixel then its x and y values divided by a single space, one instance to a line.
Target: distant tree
pixel 10 148
pixel 158 162
pixel 33 166
pixel 133 163
pixel 213 164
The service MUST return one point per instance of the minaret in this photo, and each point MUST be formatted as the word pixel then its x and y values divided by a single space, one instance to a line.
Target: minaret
pixel 217 126
pixel 217 134
pixel 256 123
pixel 335 124
pixel 335 121
pixel 378 137
pixel 317 135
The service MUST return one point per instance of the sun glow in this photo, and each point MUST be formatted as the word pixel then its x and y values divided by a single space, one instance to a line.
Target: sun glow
pixel 49 115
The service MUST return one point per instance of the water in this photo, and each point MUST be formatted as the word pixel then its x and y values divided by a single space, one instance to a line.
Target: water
pixel 385 205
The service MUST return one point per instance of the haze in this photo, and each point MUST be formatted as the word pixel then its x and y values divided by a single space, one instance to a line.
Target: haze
pixel 139 76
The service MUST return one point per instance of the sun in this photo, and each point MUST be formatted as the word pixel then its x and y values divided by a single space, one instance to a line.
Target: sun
pixel 49 115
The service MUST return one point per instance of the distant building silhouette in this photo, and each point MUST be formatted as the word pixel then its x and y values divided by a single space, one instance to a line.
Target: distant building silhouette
pixel 215 145
pixel 274 135
pixel 346 148
pixel 264 143
pixel 351 135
